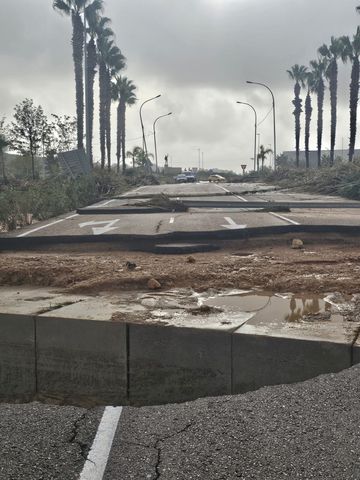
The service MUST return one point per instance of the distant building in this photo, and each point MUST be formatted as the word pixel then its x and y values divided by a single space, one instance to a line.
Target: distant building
pixel 313 156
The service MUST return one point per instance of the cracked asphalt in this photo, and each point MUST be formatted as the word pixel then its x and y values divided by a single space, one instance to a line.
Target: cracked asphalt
pixel 45 442
pixel 309 430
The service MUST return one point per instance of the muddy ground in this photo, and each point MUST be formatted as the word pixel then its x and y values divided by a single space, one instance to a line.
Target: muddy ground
pixel 317 268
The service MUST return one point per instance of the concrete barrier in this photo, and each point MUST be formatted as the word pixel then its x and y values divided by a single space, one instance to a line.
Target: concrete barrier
pixel 267 360
pixel 170 364
pixel 17 357
pixel 82 360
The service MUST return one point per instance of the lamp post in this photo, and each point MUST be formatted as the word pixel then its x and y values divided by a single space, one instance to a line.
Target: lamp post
pixel 142 124
pixel 154 131
pixel 248 104
pixel 274 115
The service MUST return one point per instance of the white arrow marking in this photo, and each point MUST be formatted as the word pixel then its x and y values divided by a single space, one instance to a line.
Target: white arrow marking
pixel 232 225
pixel 108 226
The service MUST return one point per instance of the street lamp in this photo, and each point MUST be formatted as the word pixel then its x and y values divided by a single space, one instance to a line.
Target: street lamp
pixel 154 131
pixel 248 104
pixel 274 116
pixel 142 124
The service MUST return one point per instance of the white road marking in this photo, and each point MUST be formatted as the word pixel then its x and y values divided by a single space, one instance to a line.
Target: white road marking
pixel 108 226
pixel 271 213
pixel 233 225
pixel 98 456
pixel 104 204
pixel 46 226
pixel 284 218
pixel 172 220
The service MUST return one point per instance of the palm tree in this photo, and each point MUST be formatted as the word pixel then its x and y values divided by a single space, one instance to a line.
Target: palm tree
pixel 298 74
pixel 3 144
pixel 351 52
pixel 332 53
pixel 111 61
pixel 73 9
pixel 318 71
pixel 93 18
pixel 134 154
pixel 115 63
pixel 308 113
pixel 104 34
pixel 124 93
pixel 262 156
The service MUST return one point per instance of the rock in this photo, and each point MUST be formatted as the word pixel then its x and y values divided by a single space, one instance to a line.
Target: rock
pixel 153 284
pixel 130 265
pixel 297 243
pixel 190 259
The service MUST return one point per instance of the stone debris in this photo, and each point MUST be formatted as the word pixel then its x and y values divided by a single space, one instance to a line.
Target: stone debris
pixel 130 265
pixel 297 244
pixel 190 259
pixel 153 284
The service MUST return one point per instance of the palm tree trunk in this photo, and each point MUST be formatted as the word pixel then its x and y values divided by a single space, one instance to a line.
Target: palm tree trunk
pixel 91 65
pixel 333 103
pixel 118 138
pixel 2 161
pixel 123 136
pixel 354 98
pixel 320 106
pixel 78 44
pixel 297 113
pixel 108 119
pixel 102 112
pixel 308 112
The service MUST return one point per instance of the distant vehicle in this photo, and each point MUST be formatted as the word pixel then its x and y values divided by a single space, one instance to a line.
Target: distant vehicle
pixel 216 178
pixel 190 177
pixel 187 177
pixel 181 178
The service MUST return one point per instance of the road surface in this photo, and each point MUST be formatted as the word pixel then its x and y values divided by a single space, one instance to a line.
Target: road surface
pixel 196 219
pixel 304 431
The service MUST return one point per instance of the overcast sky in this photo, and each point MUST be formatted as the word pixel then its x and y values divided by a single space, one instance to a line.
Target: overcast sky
pixel 198 54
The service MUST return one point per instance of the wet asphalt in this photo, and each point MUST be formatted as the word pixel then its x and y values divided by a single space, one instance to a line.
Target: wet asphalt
pixel 309 430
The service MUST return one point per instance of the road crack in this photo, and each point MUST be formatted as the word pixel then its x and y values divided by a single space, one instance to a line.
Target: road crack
pixel 158 447
pixel 84 447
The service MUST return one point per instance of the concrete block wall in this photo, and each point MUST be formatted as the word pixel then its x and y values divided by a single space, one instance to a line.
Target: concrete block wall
pixel 92 362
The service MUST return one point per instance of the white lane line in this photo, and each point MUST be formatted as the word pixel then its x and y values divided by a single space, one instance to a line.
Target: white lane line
pixel 104 204
pixel 46 226
pixel 234 195
pixel 172 220
pixel 284 218
pixel 98 456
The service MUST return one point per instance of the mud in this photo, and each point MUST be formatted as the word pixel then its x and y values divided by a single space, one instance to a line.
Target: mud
pixel 319 269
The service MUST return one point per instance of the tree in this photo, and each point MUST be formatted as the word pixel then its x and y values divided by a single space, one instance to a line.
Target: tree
pixel 318 71
pixel 308 113
pixel 332 53
pixel 133 154
pixel 94 21
pixel 29 131
pixel 262 156
pixel 351 51
pixel 4 143
pixel 298 74
pixel 62 134
pixel 124 93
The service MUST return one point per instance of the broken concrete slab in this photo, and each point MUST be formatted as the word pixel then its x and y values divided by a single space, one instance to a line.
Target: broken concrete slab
pixel 268 352
pixel 17 357
pixel 81 360
pixel 169 364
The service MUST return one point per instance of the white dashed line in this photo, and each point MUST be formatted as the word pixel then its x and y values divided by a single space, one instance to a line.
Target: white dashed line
pixel 284 218
pixel 98 456
pixel 46 226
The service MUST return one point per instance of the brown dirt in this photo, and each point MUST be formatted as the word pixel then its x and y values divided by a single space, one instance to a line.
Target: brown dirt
pixel 316 269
